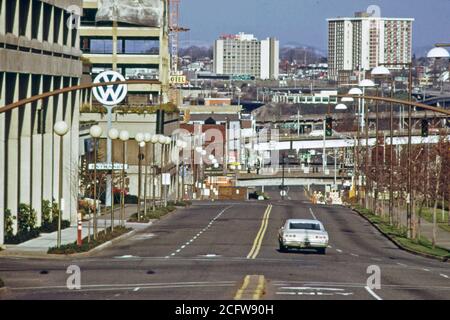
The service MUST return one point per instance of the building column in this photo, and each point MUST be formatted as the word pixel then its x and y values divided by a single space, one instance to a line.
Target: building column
pixel 25 149
pixel 12 149
pixel 47 145
pixel 57 116
pixel 37 153
pixel 2 160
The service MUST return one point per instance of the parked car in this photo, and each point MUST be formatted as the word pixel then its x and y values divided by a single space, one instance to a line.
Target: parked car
pixel 303 234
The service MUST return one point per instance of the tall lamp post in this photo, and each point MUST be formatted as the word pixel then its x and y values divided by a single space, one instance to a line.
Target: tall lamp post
pixel 124 137
pixel 61 129
pixel 440 53
pixel 161 141
pixel 113 135
pixel 147 140
pixel 96 132
pixel 141 144
pixel 154 141
pixel 167 143
pixel 382 72
pixel 357 92
pixel 366 83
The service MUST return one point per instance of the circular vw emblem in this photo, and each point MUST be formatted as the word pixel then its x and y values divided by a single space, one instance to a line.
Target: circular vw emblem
pixel 110 95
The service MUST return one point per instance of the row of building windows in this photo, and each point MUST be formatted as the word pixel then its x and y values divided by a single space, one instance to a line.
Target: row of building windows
pixel 48 23
pixel 124 46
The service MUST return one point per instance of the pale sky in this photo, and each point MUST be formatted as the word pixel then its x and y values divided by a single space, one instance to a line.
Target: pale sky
pixel 304 21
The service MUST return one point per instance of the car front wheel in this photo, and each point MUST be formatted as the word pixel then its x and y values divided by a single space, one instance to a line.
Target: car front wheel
pixel 282 247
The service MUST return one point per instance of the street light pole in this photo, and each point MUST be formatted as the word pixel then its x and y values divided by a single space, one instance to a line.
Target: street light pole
pixel 96 133
pixel 124 137
pixel 140 137
pixel 61 129
pixel 154 141
pixel 147 139
pixel 113 135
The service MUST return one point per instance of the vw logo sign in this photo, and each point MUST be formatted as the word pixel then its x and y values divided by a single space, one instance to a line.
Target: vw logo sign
pixel 110 95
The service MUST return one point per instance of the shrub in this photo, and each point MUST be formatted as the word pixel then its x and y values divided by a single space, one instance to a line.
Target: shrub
pixel 9 224
pixel 46 212
pixel 50 215
pixel 86 246
pixel 157 214
pixel 27 220
pixel 179 203
pixel 2 284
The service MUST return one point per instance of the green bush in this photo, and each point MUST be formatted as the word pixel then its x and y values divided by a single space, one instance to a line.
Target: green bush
pixel 9 224
pixel 157 214
pixel 179 203
pixel 50 215
pixel 2 284
pixel 86 245
pixel 26 226
pixel 46 212
pixel 53 226
pixel 27 219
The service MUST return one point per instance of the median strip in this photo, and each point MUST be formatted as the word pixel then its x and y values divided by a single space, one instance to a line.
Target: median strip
pixel 260 235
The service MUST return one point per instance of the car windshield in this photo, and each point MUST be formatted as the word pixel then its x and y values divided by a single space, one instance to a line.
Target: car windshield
pixel 304 226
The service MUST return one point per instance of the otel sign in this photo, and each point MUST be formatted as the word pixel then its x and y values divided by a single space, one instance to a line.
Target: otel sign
pixel 110 95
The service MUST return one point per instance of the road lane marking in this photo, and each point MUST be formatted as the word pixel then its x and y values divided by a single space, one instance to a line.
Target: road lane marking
pixel 260 235
pixel 312 213
pixel 354 254
pixel 253 288
pixel 201 232
pixel 427 270
pixel 239 293
pixel 373 294
pixel 376 259
pixel 401 264
pixel 444 275
pixel 259 289
pixel 255 242
pixel 339 250
pixel 136 289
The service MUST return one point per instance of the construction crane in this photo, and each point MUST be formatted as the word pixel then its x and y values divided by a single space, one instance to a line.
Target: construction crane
pixel 174 29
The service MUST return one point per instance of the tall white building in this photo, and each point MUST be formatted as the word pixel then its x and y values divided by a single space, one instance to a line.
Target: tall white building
pixel 363 42
pixel 243 54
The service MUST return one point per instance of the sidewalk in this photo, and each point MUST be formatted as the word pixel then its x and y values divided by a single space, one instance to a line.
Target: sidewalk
pixel 41 244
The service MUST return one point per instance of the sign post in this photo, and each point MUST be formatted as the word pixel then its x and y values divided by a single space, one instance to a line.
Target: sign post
pixel 109 97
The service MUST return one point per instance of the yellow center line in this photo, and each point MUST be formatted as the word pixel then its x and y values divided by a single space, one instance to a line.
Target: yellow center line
pixel 259 292
pixel 260 236
pixel 239 293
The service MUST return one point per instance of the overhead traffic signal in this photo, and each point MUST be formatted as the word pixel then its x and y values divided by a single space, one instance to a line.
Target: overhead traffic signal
pixel 425 129
pixel 329 126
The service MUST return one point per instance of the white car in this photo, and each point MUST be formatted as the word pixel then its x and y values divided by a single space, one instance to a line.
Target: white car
pixel 303 234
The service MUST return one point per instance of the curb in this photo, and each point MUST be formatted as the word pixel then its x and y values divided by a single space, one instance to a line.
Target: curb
pixel 398 244
pixel 41 255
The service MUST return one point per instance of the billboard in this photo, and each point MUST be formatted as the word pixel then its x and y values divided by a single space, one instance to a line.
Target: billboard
pixel 140 12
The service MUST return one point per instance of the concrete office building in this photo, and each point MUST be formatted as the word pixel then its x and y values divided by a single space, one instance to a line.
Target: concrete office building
pixel 243 54
pixel 363 42
pixel 142 53
pixel 38 53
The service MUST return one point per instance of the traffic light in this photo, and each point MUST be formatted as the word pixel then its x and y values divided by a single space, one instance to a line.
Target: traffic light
pixel 425 128
pixel 329 127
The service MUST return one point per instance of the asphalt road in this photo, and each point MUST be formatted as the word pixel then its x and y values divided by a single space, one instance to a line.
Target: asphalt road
pixel 208 251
